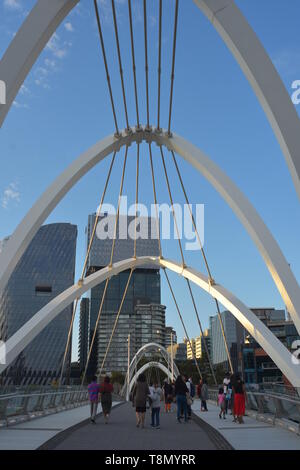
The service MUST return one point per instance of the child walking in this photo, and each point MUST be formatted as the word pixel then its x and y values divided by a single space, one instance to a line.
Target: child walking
pixel 222 403
pixel 156 395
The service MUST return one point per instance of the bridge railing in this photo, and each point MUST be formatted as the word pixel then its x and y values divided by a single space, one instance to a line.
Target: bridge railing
pixel 272 403
pixel 24 406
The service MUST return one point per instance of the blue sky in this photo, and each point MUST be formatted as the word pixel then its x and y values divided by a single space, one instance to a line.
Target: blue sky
pixel 63 108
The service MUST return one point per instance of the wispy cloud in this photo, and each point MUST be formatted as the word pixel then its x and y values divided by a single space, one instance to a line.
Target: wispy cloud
pixel 10 194
pixel 13 5
pixel 56 47
pixel 287 62
pixel 69 27
pixel 19 105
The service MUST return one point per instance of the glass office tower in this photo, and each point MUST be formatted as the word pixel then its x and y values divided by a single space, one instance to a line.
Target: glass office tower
pixel 144 289
pixel 45 270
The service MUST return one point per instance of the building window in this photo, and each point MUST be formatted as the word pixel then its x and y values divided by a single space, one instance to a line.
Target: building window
pixel 43 290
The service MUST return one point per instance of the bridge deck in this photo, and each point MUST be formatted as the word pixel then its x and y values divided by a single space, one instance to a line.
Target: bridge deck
pixel 122 434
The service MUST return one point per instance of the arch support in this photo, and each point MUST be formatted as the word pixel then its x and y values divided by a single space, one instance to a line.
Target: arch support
pixel 262 75
pixel 268 341
pixel 154 347
pixel 262 237
pixel 147 366
pixel 233 28
pixel 27 45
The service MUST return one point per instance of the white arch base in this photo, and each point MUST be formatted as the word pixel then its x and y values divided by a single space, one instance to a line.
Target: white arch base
pixel 147 366
pixel 265 242
pixel 269 342
pixel 234 30
pixel 141 353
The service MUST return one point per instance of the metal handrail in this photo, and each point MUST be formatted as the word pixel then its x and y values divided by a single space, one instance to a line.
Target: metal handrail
pixel 28 405
pixel 272 404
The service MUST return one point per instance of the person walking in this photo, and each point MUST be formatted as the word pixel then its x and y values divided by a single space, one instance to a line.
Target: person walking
pixel 221 403
pixel 106 390
pixel 168 395
pixel 199 389
pixel 239 399
pixel 204 395
pixel 181 391
pixel 228 404
pixel 156 396
pixel 94 390
pixel 226 383
pixel 141 394
pixel 233 382
pixel 188 398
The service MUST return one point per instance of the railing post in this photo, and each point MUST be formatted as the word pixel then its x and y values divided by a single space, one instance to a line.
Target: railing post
pixel 25 405
pixel 3 407
pixel 260 405
pixel 278 409
pixel 39 405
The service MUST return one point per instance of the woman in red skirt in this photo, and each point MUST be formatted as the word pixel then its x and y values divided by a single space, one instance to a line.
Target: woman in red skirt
pixel 239 400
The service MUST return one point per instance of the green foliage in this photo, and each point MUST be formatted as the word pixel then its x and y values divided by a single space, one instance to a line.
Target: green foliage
pixel 117 377
pixel 189 368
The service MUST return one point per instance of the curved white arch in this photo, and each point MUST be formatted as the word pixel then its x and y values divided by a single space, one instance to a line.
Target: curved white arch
pixel 269 342
pixel 234 30
pixel 141 353
pixel 155 364
pixel 263 77
pixel 262 237
pixel 28 43
pixel 148 347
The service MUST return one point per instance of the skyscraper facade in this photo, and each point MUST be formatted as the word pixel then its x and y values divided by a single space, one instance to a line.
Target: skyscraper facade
pixel 45 270
pixel 171 336
pixel 142 299
pixel 84 328
pixel 234 333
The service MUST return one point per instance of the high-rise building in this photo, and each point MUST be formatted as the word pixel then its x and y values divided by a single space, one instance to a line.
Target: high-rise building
pixel 178 352
pixel 196 347
pixel 258 367
pixel 143 295
pixel 150 324
pixel 190 348
pixel 234 333
pixel 44 271
pixel 84 329
pixel 171 336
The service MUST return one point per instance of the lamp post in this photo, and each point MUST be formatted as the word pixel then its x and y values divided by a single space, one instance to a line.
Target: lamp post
pixel 172 361
pixel 128 367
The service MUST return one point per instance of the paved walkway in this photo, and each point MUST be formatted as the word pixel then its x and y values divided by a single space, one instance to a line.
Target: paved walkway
pixel 122 434
pixel 253 435
pixel 32 434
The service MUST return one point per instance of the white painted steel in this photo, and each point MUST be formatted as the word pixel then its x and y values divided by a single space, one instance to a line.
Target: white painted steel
pixel 262 237
pixel 28 43
pixel 267 340
pixel 140 354
pixel 233 28
pixel 262 75
pixel 149 365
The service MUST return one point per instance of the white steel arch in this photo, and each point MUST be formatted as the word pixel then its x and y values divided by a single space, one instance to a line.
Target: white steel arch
pixel 234 30
pixel 262 237
pixel 268 341
pixel 141 353
pixel 151 347
pixel 149 365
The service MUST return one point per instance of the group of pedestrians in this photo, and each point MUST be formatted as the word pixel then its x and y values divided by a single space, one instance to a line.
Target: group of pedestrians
pixel 232 395
pixel 202 392
pixel 104 391
pixel 182 392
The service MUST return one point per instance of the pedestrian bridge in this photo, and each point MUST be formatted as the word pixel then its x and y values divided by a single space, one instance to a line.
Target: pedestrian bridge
pixel 60 420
